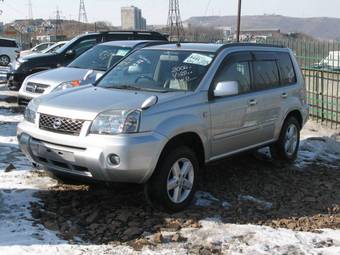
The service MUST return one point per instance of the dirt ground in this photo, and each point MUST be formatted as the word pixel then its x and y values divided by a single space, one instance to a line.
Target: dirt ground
pixel 287 197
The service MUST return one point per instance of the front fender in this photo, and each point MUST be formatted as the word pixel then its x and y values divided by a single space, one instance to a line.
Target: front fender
pixel 186 123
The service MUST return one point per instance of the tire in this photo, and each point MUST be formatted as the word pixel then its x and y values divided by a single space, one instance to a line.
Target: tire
pixel 287 147
pixel 183 187
pixel 4 60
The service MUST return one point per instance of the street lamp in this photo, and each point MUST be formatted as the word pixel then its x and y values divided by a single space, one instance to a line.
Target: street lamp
pixel 238 21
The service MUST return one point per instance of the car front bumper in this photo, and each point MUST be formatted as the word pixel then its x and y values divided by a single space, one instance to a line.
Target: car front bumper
pixel 15 80
pixel 87 156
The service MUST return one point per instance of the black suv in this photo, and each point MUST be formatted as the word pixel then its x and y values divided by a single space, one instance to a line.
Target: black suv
pixel 73 49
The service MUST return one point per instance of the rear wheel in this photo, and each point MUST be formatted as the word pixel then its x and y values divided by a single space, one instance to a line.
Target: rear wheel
pixel 4 60
pixel 286 148
pixel 173 184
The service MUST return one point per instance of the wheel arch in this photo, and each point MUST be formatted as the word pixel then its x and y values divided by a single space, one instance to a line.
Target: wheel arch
pixel 189 139
pixel 296 114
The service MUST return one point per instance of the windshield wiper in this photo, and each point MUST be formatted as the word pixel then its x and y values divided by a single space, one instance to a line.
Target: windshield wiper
pixel 131 87
pixel 127 87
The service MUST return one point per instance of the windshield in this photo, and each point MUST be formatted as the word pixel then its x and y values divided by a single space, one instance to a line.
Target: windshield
pixel 159 70
pixel 100 57
pixel 53 48
pixel 62 49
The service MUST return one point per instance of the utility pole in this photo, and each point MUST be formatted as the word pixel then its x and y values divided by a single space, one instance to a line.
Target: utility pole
pixel 175 25
pixel 82 17
pixel 239 21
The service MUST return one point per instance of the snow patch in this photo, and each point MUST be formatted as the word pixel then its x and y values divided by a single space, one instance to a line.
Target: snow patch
pixel 264 204
pixel 204 199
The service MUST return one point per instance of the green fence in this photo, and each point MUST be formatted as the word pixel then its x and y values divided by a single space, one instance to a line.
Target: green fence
pixel 320 63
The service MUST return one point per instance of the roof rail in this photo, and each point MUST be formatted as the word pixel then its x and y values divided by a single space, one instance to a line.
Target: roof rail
pixel 131 32
pixel 230 45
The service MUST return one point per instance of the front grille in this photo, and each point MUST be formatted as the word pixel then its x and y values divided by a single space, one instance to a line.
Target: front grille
pixel 36 88
pixel 60 125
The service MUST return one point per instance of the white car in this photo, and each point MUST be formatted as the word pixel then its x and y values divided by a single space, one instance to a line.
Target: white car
pixel 54 47
pixel 37 49
pixel 9 50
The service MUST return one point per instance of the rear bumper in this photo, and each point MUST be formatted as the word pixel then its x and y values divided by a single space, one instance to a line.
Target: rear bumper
pixel 88 156
pixel 305 113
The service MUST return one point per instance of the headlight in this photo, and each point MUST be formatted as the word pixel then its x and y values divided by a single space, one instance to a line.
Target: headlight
pixel 31 110
pixel 67 85
pixel 18 63
pixel 116 122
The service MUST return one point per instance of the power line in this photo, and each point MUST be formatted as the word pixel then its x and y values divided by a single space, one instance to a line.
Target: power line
pixel 82 17
pixel 175 25
pixel 58 28
pixel 30 10
pixel 207 8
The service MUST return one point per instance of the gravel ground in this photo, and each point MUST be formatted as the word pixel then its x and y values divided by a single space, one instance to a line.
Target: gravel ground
pixel 248 189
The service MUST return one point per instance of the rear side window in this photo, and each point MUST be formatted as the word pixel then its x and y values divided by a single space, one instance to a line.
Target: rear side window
pixel 287 71
pixel 266 74
pixel 8 43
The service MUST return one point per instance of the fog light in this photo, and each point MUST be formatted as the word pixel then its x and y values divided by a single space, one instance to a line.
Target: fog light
pixel 113 159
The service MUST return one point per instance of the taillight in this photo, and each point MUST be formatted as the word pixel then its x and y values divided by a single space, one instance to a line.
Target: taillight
pixel 75 83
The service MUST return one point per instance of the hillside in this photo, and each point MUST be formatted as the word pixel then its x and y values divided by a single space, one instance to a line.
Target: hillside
pixel 322 28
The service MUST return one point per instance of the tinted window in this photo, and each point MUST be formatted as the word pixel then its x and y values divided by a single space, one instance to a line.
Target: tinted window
pixel 237 71
pixel 41 47
pixel 266 74
pixel 8 43
pixel 286 69
pixel 83 46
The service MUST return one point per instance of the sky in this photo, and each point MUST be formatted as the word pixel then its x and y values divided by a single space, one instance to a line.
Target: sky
pixel 155 11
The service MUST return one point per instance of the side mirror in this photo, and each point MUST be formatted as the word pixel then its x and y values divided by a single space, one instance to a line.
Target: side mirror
pixel 226 88
pixel 70 54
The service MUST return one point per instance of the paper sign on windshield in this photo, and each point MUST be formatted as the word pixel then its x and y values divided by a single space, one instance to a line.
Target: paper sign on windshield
pixel 122 53
pixel 198 59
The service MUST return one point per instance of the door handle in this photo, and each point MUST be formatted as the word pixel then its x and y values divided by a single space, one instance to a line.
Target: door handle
pixel 284 95
pixel 252 102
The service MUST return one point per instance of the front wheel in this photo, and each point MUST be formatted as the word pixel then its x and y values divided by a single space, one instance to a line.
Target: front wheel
pixel 4 60
pixel 287 147
pixel 173 184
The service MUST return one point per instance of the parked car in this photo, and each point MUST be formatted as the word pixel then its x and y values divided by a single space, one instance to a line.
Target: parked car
pixel 70 51
pixel 9 50
pixel 85 69
pixel 330 63
pixel 164 112
pixel 36 49
pixel 54 47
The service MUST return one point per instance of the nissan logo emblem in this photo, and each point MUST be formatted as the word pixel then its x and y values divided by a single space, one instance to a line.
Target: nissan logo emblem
pixel 57 123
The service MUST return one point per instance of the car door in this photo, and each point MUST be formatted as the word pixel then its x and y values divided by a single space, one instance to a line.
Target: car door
pixel 234 119
pixel 266 89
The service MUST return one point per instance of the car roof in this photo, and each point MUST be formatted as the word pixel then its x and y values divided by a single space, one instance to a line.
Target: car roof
pixel 129 43
pixel 60 42
pixel 210 47
pixel 8 39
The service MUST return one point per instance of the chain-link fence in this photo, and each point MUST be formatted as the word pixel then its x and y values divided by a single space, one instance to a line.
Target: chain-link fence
pixel 320 62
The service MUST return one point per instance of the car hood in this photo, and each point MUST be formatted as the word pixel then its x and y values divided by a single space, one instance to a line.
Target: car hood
pixel 88 101
pixel 38 56
pixel 57 76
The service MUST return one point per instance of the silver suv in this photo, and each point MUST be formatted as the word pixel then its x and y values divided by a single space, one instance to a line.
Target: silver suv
pixel 164 112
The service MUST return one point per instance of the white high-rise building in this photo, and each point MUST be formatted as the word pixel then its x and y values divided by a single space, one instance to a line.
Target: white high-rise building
pixel 132 18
